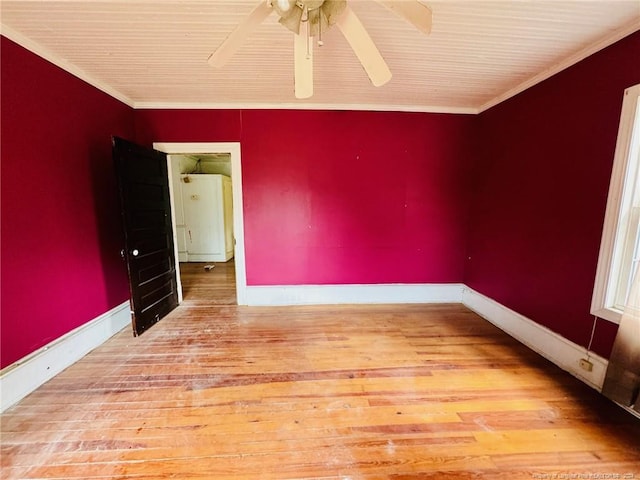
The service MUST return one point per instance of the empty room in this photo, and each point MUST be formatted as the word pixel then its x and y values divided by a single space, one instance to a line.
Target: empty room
pixel 285 239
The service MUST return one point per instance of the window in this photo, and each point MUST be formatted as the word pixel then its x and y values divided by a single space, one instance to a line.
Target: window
pixel 620 246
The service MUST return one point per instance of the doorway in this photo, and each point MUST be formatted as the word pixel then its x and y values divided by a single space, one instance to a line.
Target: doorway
pixel 210 285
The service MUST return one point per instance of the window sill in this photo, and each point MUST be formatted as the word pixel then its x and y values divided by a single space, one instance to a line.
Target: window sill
pixel 611 314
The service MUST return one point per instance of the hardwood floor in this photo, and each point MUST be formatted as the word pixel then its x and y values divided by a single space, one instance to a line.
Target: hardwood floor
pixel 323 392
pixel 205 287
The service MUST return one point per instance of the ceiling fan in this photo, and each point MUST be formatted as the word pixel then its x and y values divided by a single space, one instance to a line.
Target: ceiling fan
pixel 308 19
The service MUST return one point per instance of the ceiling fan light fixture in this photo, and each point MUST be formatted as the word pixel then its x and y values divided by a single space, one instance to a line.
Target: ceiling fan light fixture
pixel 292 19
pixel 283 5
pixel 332 10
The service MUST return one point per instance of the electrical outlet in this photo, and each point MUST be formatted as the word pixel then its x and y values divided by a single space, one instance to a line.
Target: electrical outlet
pixel 586 365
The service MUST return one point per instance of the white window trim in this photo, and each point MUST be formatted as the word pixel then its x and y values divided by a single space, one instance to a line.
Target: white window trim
pixel 624 174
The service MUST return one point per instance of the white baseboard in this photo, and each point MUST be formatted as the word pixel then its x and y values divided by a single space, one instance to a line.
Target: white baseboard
pixel 22 377
pixel 348 294
pixel 564 353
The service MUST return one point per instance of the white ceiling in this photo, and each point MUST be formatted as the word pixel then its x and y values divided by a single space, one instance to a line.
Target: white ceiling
pixel 153 53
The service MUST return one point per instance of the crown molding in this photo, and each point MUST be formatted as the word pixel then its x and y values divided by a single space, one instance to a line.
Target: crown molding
pixel 65 65
pixel 567 62
pixel 304 106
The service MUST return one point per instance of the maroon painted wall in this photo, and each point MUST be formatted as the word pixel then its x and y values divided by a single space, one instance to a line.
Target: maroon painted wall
pixel 342 197
pixel 60 221
pixel 540 193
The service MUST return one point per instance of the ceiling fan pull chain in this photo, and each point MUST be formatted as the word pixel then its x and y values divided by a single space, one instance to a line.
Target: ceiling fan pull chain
pixel 306 10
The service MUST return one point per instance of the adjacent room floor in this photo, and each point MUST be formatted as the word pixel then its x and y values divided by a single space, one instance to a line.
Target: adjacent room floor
pixel 322 392
pixel 212 283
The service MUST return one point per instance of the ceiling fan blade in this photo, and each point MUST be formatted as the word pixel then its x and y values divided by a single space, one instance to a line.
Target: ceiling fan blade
pixel 364 48
pixel 413 11
pixel 303 63
pixel 235 40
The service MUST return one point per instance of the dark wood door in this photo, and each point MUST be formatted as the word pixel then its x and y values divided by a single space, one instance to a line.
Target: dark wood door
pixel 143 184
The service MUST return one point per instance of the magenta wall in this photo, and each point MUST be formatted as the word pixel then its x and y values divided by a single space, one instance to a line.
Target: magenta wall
pixel 342 197
pixel 541 189
pixel 60 221
pixel 329 196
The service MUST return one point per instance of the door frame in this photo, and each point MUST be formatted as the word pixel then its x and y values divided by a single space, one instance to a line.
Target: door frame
pixel 232 148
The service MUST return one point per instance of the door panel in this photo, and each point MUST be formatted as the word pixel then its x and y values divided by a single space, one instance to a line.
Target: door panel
pixel 143 184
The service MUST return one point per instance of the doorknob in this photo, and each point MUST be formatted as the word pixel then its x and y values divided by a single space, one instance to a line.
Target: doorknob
pixel 135 252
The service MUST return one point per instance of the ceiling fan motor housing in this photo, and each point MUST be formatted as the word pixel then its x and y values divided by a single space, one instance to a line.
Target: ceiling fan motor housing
pixel 321 14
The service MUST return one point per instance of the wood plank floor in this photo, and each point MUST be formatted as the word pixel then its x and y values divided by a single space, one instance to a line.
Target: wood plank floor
pixel 317 392
pixel 205 287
